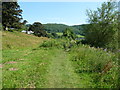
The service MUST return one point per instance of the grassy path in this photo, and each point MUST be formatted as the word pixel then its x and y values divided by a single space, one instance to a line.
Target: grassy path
pixel 40 68
pixel 61 73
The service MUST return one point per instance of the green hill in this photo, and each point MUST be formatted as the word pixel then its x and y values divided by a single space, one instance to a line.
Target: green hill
pixel 81 28
pixel 59 28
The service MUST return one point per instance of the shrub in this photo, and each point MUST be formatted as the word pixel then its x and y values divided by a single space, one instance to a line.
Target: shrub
pixel 52 43
pixel 11 30
pixel 68 33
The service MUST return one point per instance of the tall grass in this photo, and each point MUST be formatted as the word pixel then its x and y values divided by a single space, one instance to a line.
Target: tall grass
pixel 102 66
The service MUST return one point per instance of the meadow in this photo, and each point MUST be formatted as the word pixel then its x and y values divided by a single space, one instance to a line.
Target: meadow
pixel 39 62
pixel 60 34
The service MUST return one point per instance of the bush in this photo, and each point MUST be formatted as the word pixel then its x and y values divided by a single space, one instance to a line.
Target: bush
pixel 59 43
pixel 52 43
pixel 38 29
pixel 68 33
pixel 54 35
pixel 11 30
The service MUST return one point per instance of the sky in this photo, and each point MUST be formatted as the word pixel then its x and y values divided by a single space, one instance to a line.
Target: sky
pixel 69 13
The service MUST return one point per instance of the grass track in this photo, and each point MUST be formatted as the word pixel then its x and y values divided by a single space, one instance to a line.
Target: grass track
pixel 61 73
pixel 39 68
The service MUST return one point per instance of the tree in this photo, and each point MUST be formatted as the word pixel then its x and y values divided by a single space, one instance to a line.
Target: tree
pixel 11 15
pixel 54 35
pixel 69 33
pixel 38 29
pixel 24 26
pixel 103 25
pixel 24 22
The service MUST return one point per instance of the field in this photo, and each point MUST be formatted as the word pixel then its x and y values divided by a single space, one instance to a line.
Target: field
pixel 60 34
pixel 33 62
pixel 80 36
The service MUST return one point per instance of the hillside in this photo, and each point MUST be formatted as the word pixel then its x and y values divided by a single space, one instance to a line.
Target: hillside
pixel 81 28
pixel 12 40
pixel 59 28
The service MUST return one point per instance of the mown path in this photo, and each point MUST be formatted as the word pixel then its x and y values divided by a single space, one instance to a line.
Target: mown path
pixel 61 73
pixel 40 68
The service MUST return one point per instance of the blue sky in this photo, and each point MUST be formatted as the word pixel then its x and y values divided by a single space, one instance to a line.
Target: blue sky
pixel 69 13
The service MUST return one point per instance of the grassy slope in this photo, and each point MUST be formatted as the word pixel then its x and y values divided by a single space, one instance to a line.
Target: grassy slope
pixel 14 40
pixel 18 47
pixel 31 68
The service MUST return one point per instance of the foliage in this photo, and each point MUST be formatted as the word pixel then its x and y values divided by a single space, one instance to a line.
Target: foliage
pixel 68 33
pixel 38 29
pixel 11 15
pixel 1 27
pixel 24 22
pixel 54 35
pixel 100 65
pixel 63 43
pixel 52 43
pixel 28 25
pixel 81 28
pixel 59 34
pixel 59 28
pixel 103 25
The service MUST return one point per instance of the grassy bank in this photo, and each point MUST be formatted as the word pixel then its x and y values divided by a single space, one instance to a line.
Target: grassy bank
pixel 18 40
